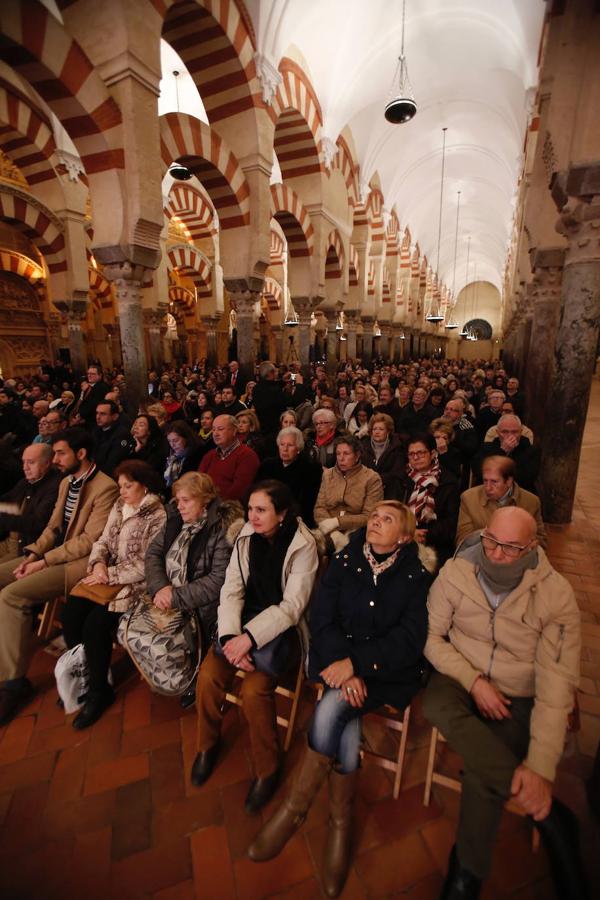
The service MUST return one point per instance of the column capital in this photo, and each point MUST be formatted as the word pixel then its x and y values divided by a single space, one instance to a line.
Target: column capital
pixel 579 222
pixel 124 270
pixel 244 302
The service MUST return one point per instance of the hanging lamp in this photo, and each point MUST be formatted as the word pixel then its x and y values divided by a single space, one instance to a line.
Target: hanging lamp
pixel 435 314
pixel 453 323
pixel 291 317
pixel 463 332
pixel 177 170
pixel 401 108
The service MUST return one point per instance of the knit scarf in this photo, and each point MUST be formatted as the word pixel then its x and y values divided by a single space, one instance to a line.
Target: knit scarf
pixel 379 448
pixel 378 567
pixel 326 439
pixel 178 552
pixel 422 499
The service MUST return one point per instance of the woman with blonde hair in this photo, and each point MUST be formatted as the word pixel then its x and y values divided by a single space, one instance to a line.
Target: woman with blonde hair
pixel 249 431
pixel 368 624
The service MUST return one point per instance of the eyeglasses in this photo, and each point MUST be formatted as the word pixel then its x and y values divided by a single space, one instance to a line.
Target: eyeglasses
pixel 511 550
pixel 418 453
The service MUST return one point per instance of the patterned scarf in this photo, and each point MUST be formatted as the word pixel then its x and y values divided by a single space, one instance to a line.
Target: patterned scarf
pixel 177 554
pixel 173 468
pixel 378 567
pixel 422 500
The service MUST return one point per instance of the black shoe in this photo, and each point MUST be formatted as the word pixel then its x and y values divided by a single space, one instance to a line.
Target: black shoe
pixel 261 790
pixel 12 699
pixel 92 709
pixel 189 698
pixel 560 835
pixel 204 764
pixel 460 884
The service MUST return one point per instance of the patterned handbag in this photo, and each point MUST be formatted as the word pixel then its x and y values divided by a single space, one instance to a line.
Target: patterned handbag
pixel 166 646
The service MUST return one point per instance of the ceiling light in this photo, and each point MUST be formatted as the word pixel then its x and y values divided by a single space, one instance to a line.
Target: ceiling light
pixel 402 107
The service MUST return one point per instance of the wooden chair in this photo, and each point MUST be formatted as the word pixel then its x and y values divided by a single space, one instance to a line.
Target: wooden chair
pixel 397 722
pixel 434 776
pixel 48 618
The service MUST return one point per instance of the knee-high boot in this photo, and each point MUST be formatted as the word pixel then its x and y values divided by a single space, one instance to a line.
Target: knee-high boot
pixel 560 833
pixel 339 838
pixel 275 833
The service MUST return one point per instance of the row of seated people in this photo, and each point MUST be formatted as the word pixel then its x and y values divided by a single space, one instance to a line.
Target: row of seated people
pixel 500 693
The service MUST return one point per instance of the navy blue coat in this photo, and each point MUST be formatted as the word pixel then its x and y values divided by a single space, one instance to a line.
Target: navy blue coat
pixel 381 626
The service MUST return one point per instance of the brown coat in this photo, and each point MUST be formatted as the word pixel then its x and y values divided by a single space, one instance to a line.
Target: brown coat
pixel 476 511
pixel 528 647
pixel 350 497
pixel 87 522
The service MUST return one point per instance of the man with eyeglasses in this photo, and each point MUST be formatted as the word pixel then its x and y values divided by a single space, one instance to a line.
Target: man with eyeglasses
pixel 504 639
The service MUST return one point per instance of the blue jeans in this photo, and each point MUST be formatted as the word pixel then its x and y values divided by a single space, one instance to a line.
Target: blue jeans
pixel 336 731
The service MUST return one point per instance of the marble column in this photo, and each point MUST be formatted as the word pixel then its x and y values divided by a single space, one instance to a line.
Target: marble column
pixel 244 302
pixel 367 341
pixel 152 322
pixel 575 350
pixel 384 341
pixel 77 346
pixel 331 341
pixel 210 326
pixel 127 280
pixel 304 308
pixel 351 326
pixel 545 295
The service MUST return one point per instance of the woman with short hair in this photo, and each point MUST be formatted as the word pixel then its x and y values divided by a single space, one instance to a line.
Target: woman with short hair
pixel 319 439
pixel 249 431
pixel 383 451
pixel 148 444
pixel 185 455
pixel 293 467
pixel 368 627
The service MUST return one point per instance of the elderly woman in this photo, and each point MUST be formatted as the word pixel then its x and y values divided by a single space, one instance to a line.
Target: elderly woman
pixel 319 440
pixel 116 560
pixel 292 467
pixel 267 588
pixel 148 444
pixel 186 563
pixel 364 660
pixel 433 495
pixel 383 451
pixel 249 431
pixel 448 454
pixel 349 492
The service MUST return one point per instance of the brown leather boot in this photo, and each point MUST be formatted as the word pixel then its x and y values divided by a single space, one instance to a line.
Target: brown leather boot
pixel 339 838
pixel 275 834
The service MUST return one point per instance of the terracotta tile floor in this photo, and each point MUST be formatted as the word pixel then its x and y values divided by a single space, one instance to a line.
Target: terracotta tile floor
pixel 110 813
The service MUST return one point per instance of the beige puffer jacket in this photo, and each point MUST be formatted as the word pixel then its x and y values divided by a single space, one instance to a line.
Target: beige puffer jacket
pixel 349 497
pixel 529 647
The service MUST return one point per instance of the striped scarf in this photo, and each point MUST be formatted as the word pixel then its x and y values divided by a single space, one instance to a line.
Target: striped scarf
pixel 177 554
pixel 422 500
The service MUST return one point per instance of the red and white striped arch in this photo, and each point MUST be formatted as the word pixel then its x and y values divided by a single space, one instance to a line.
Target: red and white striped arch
pixel 194 210
pixel 38 223
pixel 345 163
pixel 25 136
pixel 334 261
pixel 186 139
pixel 39 48
pixel 182 297
pixel 272 293
pixel 374 207
pixel 371 279
pixel 287 209
pixel 354 267
pixel 188 260
pixel 392 236
pixel 216 42
pixel 18 264
pixel 277 248
pixel 100 288
pixel 298 122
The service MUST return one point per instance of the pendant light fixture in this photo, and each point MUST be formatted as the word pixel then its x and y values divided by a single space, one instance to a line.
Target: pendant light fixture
pixel 291 318
pixel 177 170
pixel 463 332
pixel 434 314
pixel 401 108
pixel 452 323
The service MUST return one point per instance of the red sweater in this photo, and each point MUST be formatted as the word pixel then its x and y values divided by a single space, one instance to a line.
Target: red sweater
pixel 234 475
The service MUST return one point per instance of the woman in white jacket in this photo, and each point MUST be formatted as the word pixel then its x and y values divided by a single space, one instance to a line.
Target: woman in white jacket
pixel 267 587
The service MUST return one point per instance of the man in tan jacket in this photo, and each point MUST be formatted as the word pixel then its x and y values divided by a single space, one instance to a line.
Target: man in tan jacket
pixel 54 563
pixel 504 638
pixel 499 488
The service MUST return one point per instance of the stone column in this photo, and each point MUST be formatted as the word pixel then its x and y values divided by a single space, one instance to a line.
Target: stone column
pixel 152 321
pixel 210 325
pixel 351 326
pixel 384 341
pixel 127 279
pixel 367 344
pixel 545 295
pixel 76 313
pixel 331 340
pixel 304 308
pixel 575 348
pixel 244 303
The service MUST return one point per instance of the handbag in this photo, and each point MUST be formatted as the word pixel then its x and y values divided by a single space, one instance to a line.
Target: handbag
pixel 72 678
pixel 165 645
pixel 98 593
pixel 273 658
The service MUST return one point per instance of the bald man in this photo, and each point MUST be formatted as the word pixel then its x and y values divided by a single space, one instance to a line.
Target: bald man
pixel 27 507
pixel 504 639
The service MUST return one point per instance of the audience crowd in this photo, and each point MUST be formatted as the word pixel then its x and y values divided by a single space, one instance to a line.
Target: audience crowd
pixel 378 526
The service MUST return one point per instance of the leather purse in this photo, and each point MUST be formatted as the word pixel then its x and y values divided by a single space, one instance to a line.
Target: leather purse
pixel 97 593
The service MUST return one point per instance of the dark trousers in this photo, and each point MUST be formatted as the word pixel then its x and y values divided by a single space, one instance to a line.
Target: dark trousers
pixel 491 751
pixel 88 623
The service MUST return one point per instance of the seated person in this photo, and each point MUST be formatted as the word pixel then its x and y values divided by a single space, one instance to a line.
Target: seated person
pixel 448 454
pixel 148 444
pixel 205 438
pixel 319 441
pixel 349 492
pixel 358 422
pixel 466 438
pixel 294 468
pixel 33 498
pixel 112 438
pixel 492 433
pixel 52 564
pixel 433 496
pixel 186 563
pixel 117 558
pixel 364 661
pixel 231 465
pixel 249 432
pixel 510 442
pixel 267 587
pixel 489 414
pixel 499 489
pixel 185 452
pixel 501 693
pixel 383 451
